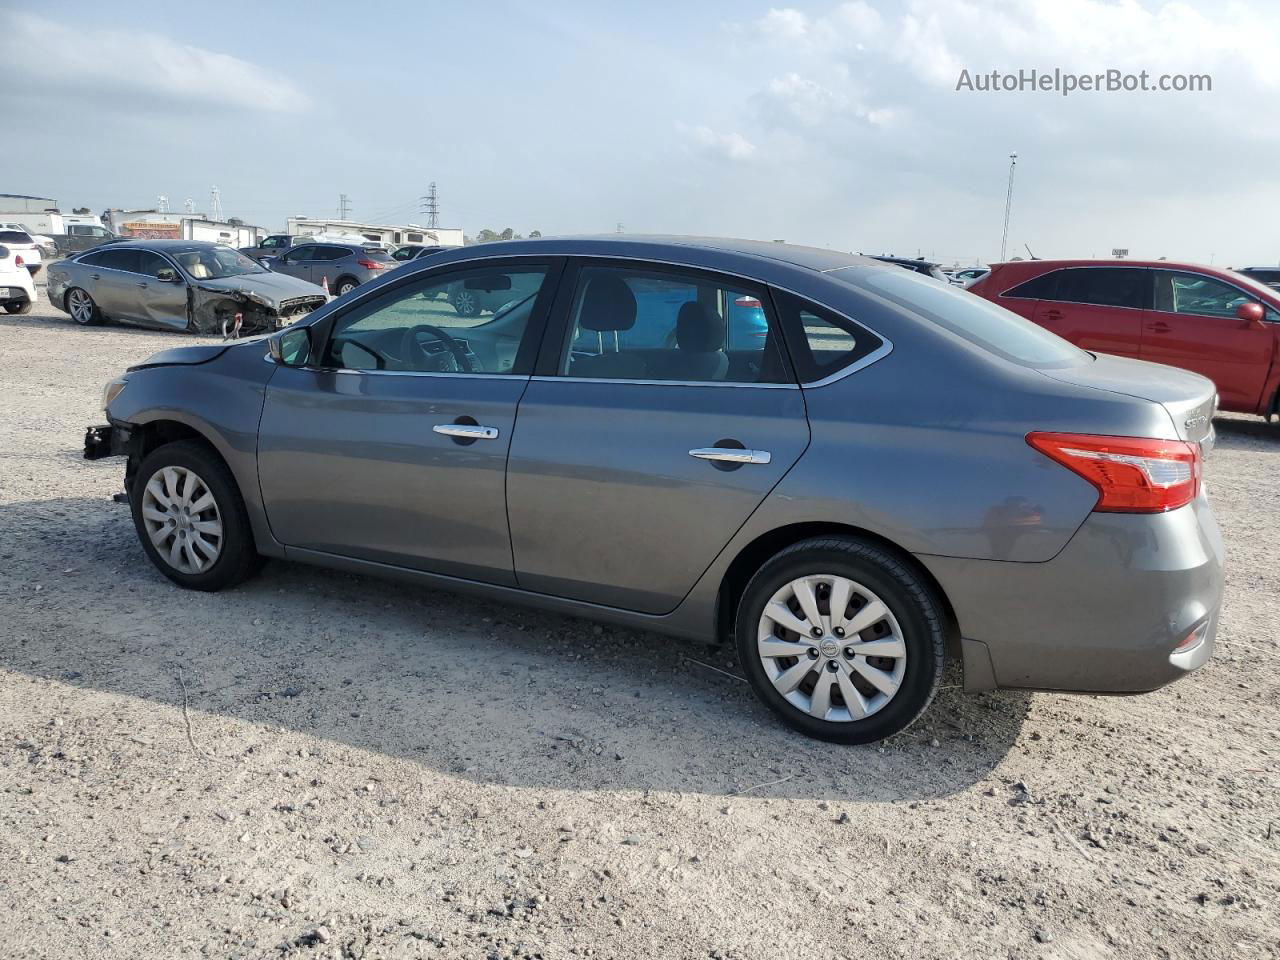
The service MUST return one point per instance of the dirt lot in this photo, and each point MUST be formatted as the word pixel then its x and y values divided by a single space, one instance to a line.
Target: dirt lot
pixel 319 765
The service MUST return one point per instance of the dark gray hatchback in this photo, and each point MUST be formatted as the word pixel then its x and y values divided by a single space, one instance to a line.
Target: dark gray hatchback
pixel 852 471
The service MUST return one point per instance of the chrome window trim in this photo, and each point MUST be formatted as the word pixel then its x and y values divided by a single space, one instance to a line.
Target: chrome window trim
pixel 885 348
pixel 668 383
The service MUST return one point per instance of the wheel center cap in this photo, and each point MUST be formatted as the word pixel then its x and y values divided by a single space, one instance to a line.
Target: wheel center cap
pixel 829 648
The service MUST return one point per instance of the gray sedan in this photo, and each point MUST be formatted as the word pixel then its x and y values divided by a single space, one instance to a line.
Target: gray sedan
pixel 881 473
pixel 178 284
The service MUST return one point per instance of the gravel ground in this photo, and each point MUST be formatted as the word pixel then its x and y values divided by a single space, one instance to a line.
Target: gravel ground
pixel 321 765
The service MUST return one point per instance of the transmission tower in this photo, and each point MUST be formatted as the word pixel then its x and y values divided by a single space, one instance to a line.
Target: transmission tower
pixel 344 207
pixel 189 205
pixel 215 204
pixel 162 204
pixel 430 205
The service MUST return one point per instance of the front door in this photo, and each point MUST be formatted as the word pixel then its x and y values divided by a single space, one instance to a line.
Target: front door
pixel 643 451
pixel 161 298
pixel 1193 325
pixel 392 445
pixel 298 262
pixel 1097 308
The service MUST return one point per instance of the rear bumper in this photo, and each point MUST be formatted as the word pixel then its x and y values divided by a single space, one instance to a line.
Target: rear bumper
pixel 1104 616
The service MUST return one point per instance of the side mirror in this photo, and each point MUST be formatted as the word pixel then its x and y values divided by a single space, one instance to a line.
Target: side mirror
pixel 167 275
pixel 292 347
pixel 1251 313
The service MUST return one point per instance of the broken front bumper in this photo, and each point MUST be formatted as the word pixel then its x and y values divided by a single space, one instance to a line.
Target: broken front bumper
pixel 108 440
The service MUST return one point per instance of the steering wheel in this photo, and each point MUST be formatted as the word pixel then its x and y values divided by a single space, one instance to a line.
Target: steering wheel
pixel 410 345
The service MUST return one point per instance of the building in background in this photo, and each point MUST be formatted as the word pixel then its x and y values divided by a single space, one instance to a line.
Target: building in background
pixel 389 235
pixel 169 225
pixel 41 214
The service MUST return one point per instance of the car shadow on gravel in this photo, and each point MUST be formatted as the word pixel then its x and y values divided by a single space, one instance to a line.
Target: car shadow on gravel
pixel 489 692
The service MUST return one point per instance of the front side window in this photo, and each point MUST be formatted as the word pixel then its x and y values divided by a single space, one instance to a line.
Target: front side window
pixel 298 254
pixel 1196 294
pixel 1103 286
pixel 154 265
pixel 472 321
pixel 119 260
pixel 654 324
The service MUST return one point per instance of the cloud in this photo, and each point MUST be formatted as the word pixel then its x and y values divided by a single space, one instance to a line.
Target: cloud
pixel 134 69
pixel 728 146
pixel 787 23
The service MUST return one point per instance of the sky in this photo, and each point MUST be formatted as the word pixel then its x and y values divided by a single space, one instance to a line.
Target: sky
pixel 830 124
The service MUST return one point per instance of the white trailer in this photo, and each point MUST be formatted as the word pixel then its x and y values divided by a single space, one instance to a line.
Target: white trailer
pixel 388 235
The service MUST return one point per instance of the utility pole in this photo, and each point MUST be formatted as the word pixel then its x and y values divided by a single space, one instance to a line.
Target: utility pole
pixel 344 207
pixel 215 204
pixel 618 229
pixel 430 205
pixel 1008 204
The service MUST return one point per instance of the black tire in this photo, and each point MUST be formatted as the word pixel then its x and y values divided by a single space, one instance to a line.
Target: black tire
pixel 350 283
pixel 237 558
pixel 18 306
pixel 912 602
pixel 94 316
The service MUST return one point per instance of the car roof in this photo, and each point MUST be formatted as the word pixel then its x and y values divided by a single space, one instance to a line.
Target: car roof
pixel 166 243
pixel 905 261
pixel 709 252
pixel 1113 262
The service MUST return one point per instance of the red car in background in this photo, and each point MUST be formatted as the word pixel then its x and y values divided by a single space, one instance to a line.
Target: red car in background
pixel 1217 323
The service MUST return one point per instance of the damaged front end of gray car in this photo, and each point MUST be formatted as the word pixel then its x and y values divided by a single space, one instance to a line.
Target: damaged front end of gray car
pixel 243 312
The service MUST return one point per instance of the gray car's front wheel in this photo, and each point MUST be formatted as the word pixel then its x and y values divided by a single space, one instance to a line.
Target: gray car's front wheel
pixel 841 639
pixel 191 518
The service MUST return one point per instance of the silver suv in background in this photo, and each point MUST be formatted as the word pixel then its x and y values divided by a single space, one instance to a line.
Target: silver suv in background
pixel 343 265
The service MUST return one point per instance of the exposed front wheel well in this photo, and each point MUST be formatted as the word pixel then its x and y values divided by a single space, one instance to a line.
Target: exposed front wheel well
pixel 755 554
pixel 150 436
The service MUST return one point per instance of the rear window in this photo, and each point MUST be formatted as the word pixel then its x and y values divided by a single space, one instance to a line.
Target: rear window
pixel 977 320
pixel 14 236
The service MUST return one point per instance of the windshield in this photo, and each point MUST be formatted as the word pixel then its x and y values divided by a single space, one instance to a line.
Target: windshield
pixel 215 262
pixel 977 320
pixel 1266 293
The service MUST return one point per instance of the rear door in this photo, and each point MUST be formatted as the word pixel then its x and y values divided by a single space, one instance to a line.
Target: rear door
pixel 392 445
pixel 1193 325
pixel 633 465
pixel 113 280
pixel 1097 308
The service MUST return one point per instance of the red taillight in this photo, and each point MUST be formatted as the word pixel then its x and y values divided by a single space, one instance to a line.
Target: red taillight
pixel 17 260
pixel 1132 474
pixel 747 303
pixel 372 264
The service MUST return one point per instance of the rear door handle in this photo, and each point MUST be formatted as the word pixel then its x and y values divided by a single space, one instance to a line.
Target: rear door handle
pixel 731 455
pixel 466 431
pixel 1053 315
pixel 142 283
pixel 1159 327
pixel 94 276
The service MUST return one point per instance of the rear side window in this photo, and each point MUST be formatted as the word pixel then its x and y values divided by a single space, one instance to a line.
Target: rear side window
pixel 1037 288
pixel 822 342
pixel 14 236
pixel 979 321
pixel 119 260
pixel 1103 286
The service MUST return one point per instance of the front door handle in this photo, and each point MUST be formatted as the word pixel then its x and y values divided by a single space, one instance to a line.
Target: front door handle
pixel 142 283
pixel 1159 327
pixel 466 431
pixel 1053 315
pixel 731 455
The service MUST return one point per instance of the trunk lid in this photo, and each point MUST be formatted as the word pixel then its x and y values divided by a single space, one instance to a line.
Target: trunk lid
pixel 1189 399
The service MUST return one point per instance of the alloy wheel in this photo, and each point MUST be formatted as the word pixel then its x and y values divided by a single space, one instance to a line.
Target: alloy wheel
pixel 465 303
pixel 182 519
pixel 81 306
pixel 832 648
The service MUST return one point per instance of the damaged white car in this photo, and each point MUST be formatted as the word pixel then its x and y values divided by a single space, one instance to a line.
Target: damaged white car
pixel 178 285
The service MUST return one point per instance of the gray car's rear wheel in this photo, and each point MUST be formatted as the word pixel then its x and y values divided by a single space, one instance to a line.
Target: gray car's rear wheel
pixel 191 518
pixel 18 306
pixel 345 285
pixel 841 639
pixel 82 308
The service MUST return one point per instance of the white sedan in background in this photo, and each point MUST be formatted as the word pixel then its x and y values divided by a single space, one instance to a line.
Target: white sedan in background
pixel 17 289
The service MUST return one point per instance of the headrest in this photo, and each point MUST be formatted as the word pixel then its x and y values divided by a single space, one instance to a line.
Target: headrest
pixel 698 329
pixel 607 305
